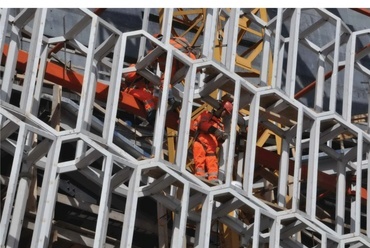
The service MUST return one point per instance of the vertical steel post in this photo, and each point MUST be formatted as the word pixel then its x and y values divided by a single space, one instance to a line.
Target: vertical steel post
pixel 274 240
pixel 348 78
pixel 33 59
pixel 250 154
pixel 277 57
pixel 297 161
pixel 293 53
pixel 356 208
pixel 6 214
pixel 130 209
pixel 143 40
pixel 205 222
pixel 209 33
pixel 283 173
pixel 88 88
pixel 230 36
pixel 4 17
pixel 334 76
pixel 179 226
pixel 340 198
pixel 319 90
pixel 232 138
pixel 114 89
pixel 104 205
pixel 49 190
pixel 184 121
pixel 313 169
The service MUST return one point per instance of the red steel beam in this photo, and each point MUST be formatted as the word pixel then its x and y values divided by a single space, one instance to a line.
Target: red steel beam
pixel 312 85
pixel 362 11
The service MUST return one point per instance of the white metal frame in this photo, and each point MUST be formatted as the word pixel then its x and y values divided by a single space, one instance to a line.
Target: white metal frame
pixel 22 121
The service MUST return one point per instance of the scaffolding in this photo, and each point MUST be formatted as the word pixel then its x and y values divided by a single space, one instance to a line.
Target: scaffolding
pixel 78 169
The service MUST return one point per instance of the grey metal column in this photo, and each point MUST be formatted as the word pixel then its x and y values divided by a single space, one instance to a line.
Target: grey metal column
pixel 231 144
pixel 167 24
pixel 292 53
pixel 228 59
pixel 278 48
pixel 88 86
pixel 298 161
pixel 33 60
pixel 11 61
pixel 250 154
pixel 209 33
pixel 24 183
pixel 161 112
pixel 230 36
pixel 334 77
pixel 186 110
pixel 274 239
pixel 256 229
pixel 348 78
pixel 114 88
pixel 319 90
pixel 130 209
pixel 283 173
pixel 13 182
pixel 179 225
pixel 356 204
pixel 162 108
pixel 4 17
pixel 341 193
pixel 45 210
pixel 266 57
pixel 104 205
pixel 19 209
pixel 205 222
pixel 39 81
pixel 313 169
pixel 145 26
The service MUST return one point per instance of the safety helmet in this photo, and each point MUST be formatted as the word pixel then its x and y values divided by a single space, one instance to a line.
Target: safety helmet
pixel 228 106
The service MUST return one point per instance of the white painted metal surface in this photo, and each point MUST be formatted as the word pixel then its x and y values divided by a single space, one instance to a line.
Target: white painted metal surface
pixel 295 213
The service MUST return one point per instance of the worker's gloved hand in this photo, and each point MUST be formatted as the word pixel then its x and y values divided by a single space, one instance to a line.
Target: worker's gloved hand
pixel 224 136
pixel 220 135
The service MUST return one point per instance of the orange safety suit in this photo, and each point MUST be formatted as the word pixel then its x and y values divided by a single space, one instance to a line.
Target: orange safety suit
pixel 142 90
pixel 144 93
pixel 205 145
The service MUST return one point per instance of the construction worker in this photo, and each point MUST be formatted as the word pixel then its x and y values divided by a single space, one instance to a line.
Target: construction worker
pixel 209 135
pixel 184 46
pixel 142 90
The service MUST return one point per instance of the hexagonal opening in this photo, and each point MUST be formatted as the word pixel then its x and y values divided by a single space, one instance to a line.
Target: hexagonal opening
pixel 335 189
pixel 273 128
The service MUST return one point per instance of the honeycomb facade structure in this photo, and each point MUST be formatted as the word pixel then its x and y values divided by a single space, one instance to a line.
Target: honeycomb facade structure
pixel 78 171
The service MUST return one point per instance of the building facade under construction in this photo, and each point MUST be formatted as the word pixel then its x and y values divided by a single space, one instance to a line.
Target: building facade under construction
pixel 83 166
